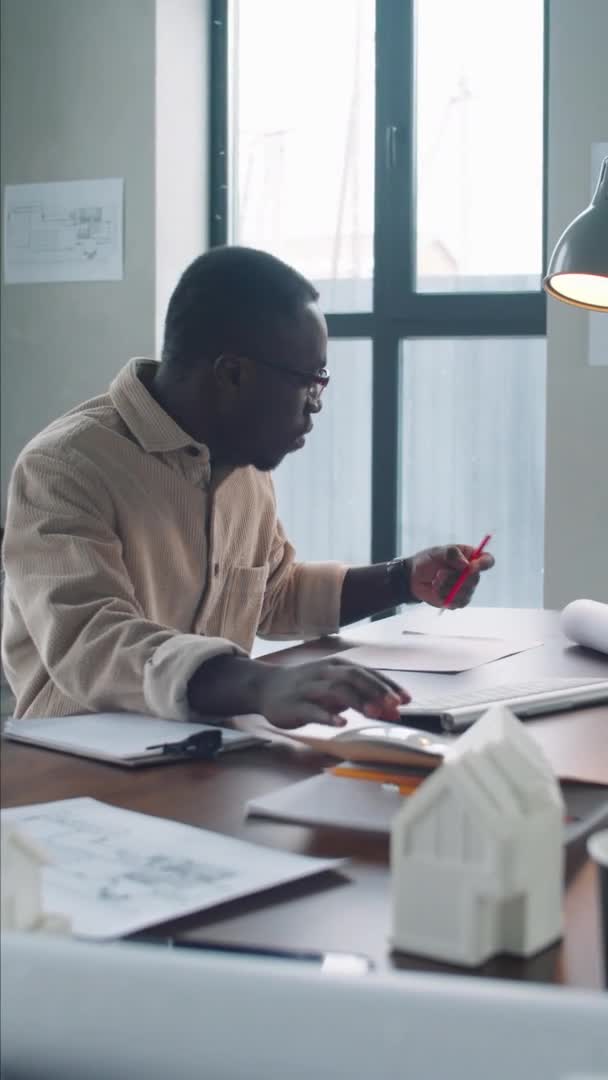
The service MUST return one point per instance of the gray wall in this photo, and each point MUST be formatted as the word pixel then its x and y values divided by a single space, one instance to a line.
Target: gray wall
pixel 96 89
pixel 576 520
pixel 77 103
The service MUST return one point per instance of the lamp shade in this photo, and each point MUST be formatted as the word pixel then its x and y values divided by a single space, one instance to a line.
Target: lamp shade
pixel 578 268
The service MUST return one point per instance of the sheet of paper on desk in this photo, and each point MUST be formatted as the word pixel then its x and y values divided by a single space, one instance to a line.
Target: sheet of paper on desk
pixel 434 652
pixel 116 871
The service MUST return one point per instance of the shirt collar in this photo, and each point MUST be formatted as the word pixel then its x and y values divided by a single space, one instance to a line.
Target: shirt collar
pixel 153 428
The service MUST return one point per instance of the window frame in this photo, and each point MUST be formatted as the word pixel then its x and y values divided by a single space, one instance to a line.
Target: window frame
pixel 398 311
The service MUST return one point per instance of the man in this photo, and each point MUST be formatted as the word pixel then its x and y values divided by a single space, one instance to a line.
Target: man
pixel 143 552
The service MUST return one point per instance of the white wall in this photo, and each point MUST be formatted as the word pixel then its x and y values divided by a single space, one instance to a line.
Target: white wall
pixel 576 529
pixel 91 90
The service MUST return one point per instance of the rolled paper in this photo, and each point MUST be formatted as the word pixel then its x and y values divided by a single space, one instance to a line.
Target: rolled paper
pixel 586 623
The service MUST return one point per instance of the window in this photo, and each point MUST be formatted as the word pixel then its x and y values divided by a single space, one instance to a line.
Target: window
pixel 336 459
pixel 473 455
pixel 479 146
pixel 302 140
pixel 393 152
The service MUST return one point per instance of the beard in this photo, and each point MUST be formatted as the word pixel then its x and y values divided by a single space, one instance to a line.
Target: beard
pixel 268 463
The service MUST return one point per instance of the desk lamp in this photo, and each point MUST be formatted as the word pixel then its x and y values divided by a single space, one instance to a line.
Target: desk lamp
pixel 578 268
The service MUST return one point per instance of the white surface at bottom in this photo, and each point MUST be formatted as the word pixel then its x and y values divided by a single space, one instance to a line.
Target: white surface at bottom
pixel 135 1011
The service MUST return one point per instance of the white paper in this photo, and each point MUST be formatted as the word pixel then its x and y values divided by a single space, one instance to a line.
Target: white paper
pixel 120 737
pixel 465 622
pixel 70 231
pixel 433 652
pixel 116 871
pixel 598 320
pixel 586 623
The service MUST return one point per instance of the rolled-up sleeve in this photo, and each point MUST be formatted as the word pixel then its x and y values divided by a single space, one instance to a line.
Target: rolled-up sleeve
pixel 302 600
pixel 66 574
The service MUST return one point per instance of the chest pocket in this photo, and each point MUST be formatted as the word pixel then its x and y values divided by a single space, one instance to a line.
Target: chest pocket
pixel 242 603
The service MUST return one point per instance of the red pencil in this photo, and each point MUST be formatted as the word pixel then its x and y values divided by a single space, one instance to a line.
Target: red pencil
pixel 465 573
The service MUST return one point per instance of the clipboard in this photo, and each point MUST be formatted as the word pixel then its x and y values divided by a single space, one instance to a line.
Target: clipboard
pixel 129 739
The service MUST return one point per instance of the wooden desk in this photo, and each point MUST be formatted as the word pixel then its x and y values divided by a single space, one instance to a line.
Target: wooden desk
pixel 350 911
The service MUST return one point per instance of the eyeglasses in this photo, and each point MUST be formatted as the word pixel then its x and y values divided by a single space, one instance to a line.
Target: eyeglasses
pixel 314 382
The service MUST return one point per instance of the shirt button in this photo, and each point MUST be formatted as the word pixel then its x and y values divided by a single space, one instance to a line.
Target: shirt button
pixel 193 451
pixel 216 568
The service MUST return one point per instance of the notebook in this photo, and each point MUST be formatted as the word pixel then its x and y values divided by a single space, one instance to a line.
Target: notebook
pixel 128 738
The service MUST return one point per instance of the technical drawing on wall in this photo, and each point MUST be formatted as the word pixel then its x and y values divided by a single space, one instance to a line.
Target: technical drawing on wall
pixel 71 231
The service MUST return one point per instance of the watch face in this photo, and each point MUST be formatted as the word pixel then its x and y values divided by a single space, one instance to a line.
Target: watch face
pixel 398 573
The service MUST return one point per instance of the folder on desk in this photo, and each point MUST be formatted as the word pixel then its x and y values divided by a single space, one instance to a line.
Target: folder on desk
pixel 335 801
pixel 331 801
pixel 128 738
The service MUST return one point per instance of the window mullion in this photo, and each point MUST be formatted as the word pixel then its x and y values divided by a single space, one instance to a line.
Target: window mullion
pixel 394 256
pixel 394 243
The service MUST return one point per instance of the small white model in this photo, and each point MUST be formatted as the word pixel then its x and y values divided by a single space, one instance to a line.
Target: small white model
pixel 477 851
pixel 21 864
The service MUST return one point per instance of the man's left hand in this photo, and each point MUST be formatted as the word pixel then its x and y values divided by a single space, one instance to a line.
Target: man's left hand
pixel 434 572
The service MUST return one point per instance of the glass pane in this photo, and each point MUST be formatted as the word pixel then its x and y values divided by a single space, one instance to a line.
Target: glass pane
pixel 473 456
pixel 479 123
pixel 301 81
pixel 324 490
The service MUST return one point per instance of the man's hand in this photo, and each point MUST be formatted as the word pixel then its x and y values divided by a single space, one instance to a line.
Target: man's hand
pixel 318 692
pixel 289 697
pixel 434 571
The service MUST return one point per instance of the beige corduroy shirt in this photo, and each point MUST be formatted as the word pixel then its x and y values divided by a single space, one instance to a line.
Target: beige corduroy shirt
pixel 130 561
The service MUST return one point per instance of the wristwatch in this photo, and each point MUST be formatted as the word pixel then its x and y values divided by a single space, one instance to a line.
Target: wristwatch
pixel 398 573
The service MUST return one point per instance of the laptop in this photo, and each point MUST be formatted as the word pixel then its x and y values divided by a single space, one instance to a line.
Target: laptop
pixel 141 1012
pixel 453 710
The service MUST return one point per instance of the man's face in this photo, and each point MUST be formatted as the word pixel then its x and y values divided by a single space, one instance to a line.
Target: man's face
pixel 275 406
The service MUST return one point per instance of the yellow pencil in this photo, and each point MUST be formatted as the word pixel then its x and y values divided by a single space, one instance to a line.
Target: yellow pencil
pixel 406 784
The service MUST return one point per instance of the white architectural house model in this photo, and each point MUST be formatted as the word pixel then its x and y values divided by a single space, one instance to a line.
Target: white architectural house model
pixel 477 851
pixel 21 881
pixel 22 863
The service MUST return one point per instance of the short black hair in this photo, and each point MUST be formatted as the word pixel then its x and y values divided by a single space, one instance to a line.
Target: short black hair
pixel 227 300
